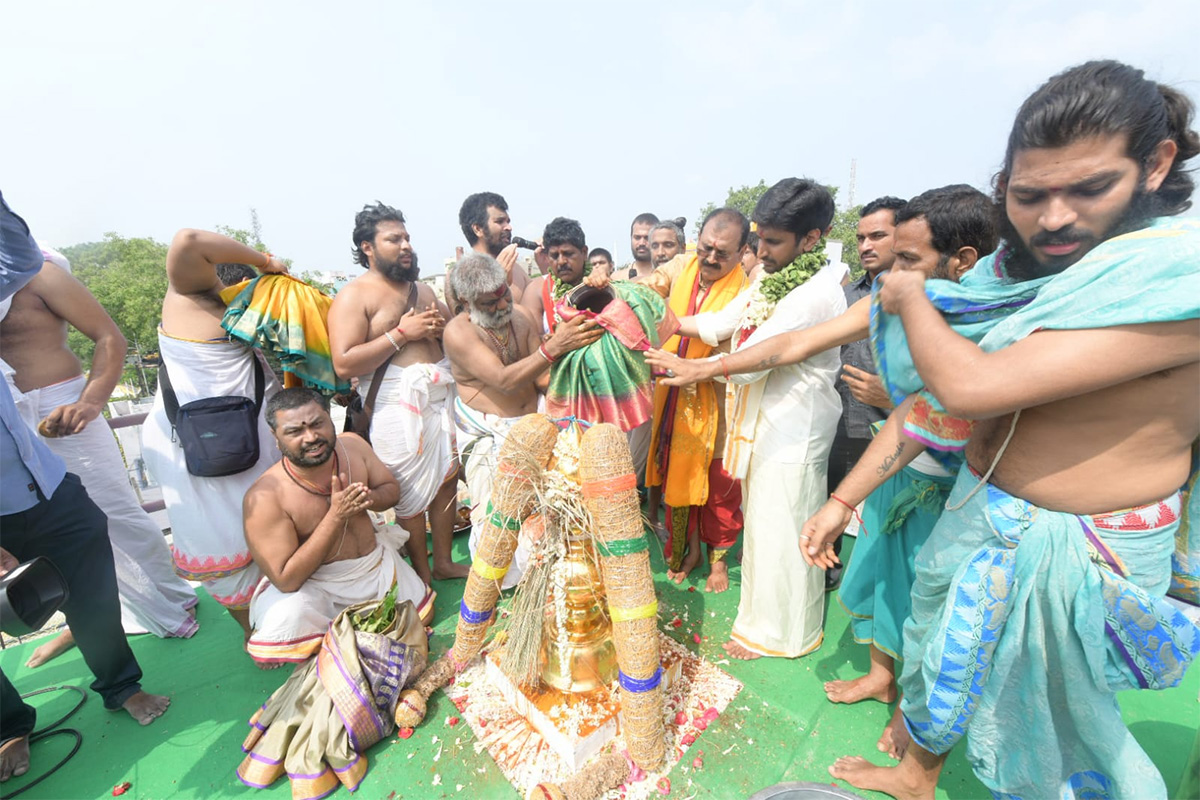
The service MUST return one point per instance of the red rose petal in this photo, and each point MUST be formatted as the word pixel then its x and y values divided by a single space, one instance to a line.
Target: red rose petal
pixel 711 714
pixel 452 721
pixel 681 718
pixel 697 762
pixel 676 623
pixel 701 724
pixel 696 638
pixel 691 588
pixel 121 788
pixel 689 738
pixel 664 786
pixel 404 733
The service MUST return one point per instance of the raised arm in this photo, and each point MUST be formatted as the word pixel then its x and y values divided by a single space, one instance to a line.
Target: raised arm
pixel 274 543
pixel 1043 367
pixel 68 299
pixel 193 257
pixel 888 453
pixel 777 351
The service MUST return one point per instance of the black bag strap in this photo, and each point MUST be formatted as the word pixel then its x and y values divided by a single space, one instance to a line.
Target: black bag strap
pixel 171 402
pixel 369 401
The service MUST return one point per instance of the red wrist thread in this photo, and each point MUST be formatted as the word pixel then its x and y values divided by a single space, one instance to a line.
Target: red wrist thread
pixel 853 510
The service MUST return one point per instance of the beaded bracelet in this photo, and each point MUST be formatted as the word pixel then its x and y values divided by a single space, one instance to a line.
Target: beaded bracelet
pixel 388 335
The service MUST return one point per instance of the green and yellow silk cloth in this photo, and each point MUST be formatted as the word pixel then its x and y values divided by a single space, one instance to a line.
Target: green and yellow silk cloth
pixel 284 315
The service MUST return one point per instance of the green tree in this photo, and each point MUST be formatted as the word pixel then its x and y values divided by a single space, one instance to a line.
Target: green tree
pixel 129 279
pixel 844 228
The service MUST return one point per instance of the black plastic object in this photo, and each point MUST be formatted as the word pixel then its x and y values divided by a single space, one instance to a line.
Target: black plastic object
pixel 29 596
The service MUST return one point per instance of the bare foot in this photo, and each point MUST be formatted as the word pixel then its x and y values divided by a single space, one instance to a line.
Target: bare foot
pixel 896 781
pixel 896 738
pixel 450 570
pixel 718 579
pixel 52 649
pixel 14 757
pixel 871 686
pixel 735 650
pixel 146 708
pixel 690 560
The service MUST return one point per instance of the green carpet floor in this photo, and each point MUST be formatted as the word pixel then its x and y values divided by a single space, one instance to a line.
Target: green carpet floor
pixel 779 728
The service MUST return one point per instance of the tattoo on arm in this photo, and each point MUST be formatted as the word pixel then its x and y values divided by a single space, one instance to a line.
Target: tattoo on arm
pixel 888 461
pixel 767 363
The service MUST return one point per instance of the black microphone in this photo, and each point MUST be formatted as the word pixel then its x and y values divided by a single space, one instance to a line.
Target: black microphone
pixel 525 243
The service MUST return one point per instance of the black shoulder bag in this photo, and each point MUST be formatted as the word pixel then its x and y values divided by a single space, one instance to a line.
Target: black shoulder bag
pixel 219 435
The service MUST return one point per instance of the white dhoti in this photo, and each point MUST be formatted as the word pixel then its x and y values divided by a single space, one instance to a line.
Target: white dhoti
pixel 206 513
pixel 412 430
pixel 288 626
pixel 782 607
pixel 479 438
pixel 153 598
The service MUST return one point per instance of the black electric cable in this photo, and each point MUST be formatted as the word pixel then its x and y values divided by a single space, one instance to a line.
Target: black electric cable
pixel 53 730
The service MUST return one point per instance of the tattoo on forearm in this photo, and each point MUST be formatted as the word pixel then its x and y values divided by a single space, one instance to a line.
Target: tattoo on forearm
pixel 768 362
pixel 890 460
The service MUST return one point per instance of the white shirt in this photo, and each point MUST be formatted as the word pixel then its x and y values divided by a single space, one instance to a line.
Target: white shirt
pixel 800 408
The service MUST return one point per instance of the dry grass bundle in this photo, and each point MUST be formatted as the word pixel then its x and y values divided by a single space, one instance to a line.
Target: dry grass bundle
pixel 523 457
pixel 609 490
pixel 590 783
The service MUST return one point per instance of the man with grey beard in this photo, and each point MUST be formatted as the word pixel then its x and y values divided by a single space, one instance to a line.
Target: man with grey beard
pixel 500 364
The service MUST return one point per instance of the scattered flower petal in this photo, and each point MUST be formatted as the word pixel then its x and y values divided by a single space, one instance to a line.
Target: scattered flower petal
pixel 664 786
pixel 121 788
pixel 452 721
pixel 405 733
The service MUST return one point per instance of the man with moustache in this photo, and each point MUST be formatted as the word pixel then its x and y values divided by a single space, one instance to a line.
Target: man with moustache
pixel 1034 601
pixel 864 402
pixel 666 241
pixel 308 527
pixel 566 248
pixel 499 363
pixel 485 223
pixel 688 429
pixel 781 420
pixel 387 317
pixel 639 244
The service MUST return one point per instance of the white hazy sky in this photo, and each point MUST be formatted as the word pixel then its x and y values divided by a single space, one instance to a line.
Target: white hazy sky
pixel 144 117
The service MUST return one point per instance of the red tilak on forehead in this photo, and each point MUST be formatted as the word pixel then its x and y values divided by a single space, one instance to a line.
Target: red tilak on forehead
pixel 501 291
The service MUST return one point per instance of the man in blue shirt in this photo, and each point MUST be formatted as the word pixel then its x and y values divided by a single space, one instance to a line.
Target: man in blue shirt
pixel 45 511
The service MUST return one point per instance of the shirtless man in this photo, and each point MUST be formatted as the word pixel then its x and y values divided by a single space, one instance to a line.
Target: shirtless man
pixel 50 386
pixel 45 511
pixel 307 525
pixel 1084 400
pixel 387 317
pixel 500 363
pixel 485 223
pixel 566 249
pixel 201 361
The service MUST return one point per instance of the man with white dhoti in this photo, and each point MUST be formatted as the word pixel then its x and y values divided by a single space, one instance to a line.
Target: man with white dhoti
pixel 202 362
pixel 500 365
pixel 781 421
pixel 308 526
pixel 48 386
pixel 386 326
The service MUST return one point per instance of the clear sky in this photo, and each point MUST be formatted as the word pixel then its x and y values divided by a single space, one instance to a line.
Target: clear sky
pixel 145 117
